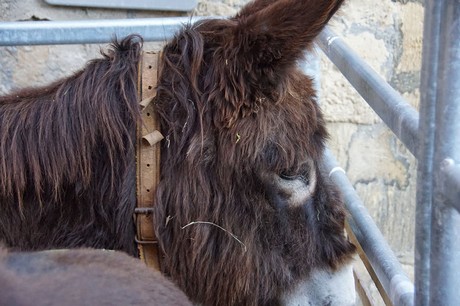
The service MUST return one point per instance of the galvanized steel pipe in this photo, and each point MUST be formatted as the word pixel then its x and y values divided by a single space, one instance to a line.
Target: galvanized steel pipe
pixel 445 224
pixel 387 267
pixel 427 124
pixel 88 31
pixel 399 116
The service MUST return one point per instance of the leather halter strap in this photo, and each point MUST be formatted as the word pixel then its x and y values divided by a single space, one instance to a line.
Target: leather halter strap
pixel 148 161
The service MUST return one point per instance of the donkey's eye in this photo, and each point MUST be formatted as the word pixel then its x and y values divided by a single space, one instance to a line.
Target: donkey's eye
pixel 289 176
pixel 293 177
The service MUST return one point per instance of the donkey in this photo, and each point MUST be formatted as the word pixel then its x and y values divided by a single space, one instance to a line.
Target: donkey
pixel 244 213
pixel 82 277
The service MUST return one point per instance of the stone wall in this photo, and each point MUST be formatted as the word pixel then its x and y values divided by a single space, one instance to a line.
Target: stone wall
pixel 387 34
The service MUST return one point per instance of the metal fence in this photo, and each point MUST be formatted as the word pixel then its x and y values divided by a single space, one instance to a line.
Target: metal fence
pixel 433 136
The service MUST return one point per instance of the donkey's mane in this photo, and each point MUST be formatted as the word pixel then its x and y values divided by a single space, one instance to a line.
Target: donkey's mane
pixel 51 135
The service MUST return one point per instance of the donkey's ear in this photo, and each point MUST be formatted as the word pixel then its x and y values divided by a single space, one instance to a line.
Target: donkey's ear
pixel 263 42
pixel 275 36
pixel 253 7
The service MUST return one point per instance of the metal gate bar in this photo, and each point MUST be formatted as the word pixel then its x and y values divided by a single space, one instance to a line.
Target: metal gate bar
pixel 385 264
pixel 398 115
pixel 88 31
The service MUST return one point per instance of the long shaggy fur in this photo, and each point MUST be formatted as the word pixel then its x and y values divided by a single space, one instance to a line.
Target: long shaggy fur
pixel 236 113
pixel 67 157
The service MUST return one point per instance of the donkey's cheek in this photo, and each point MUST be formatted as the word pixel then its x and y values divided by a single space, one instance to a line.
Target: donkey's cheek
pixel 324 287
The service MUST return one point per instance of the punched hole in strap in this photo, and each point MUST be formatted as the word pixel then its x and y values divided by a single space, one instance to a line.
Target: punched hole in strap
pixel 143 210
pixel 153 138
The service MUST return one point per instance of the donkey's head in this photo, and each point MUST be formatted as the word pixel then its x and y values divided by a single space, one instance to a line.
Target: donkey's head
pixel 244 211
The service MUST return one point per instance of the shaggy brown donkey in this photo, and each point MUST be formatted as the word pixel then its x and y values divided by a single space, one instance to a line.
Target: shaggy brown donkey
pixel 244 213
pixel 82 277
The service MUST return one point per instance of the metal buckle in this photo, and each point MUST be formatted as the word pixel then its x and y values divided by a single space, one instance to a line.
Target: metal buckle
pixel 142 211
pixel 145 242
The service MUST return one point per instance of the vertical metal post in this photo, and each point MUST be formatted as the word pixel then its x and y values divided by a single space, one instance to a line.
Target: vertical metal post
pixel 425 151
pixel 445 226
